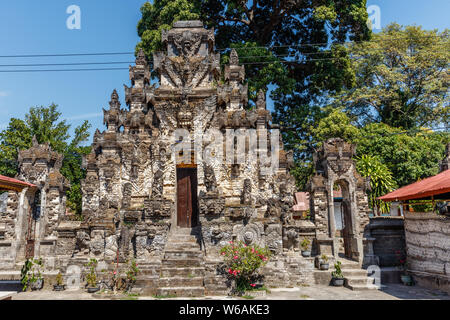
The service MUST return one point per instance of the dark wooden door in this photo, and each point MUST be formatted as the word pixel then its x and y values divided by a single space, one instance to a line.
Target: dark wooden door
pixel 347 230
pixel 187 197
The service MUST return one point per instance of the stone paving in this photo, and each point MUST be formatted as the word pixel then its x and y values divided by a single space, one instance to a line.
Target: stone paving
pixel 314 292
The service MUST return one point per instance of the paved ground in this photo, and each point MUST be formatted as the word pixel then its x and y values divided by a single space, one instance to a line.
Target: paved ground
pixel 315 292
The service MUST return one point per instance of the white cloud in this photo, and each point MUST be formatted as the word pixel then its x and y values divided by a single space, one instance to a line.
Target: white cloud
pixel 85 116
pixel 4 94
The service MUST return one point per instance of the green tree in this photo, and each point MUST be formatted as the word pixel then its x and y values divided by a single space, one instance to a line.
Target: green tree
pixel 45 124
pixel 381 181
pixel 409 155
pixel 402 78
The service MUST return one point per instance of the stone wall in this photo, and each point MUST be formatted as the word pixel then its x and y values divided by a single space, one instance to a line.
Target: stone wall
pixel 427 245
pixel 389 235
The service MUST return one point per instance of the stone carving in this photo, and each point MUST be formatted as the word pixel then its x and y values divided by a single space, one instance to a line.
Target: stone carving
pixel 210 179
pixel 290 238
pixel 157 186
pixel 273 236
pixel 246 196
pixel 83 240
pixel 249 234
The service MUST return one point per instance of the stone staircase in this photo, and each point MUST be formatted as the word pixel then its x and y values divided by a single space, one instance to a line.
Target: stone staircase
pixel 356 278
pixel 182 267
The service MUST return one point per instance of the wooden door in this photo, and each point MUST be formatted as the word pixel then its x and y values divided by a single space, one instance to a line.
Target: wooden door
pixel 347 230
pixel 186 197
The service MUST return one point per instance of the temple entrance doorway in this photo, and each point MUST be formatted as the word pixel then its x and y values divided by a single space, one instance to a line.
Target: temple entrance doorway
pixel 344 218
pixel 187 204
pixel 347 234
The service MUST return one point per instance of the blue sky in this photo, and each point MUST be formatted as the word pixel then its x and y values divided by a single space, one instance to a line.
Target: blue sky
pixel 39 27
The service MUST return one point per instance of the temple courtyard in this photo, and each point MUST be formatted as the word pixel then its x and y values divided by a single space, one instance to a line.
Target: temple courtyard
pixel 313 292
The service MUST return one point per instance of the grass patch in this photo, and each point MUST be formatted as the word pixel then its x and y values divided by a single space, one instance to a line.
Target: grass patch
pixel 304 296
pixel 248 297
pixel 304 285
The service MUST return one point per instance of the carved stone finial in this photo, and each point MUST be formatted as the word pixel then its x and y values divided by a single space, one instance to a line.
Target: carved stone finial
pixel 234 58
pixel 141 59
pixel 261 100
pixel 114 103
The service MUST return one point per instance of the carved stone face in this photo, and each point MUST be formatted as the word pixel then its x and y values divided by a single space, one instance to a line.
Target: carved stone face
pixel 184 118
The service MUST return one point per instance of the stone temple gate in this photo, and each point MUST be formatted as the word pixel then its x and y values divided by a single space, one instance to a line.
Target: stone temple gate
pixel 149 196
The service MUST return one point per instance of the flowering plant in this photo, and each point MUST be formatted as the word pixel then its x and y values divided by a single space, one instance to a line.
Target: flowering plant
pixel 402 261
pixel 242 263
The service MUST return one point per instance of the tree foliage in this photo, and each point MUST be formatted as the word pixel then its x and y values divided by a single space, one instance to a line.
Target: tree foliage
pixel 381 180
pixel 402 78
pixel 45 124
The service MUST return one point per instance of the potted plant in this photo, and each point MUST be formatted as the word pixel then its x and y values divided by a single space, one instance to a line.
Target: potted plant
pixel 306 252
pixel 337 276
pixel 32 274
pixel 91 277
pixel 323 263
pixel 404 276
pixel 59 286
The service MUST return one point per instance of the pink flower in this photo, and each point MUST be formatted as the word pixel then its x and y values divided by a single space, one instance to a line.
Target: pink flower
pixel 229 271
pixel 252 284
pixel 115 272
pixel 235 257
pixel 223 253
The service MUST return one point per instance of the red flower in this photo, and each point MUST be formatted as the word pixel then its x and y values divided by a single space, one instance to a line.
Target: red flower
pixel 252 284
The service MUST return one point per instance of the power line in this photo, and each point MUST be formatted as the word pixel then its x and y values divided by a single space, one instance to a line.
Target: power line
pixel 66 55
pixel 62 70
pixel 218 49
pixel 63 64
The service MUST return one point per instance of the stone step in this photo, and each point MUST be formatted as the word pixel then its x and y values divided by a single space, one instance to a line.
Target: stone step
pixel 174 282
pixel 182 263
pixel 183 254
pixel 359 280
pixel 217 291
pixel 361 287
pixel 354 272
pixel 181 291
pixel 182 237
pixel 179 231
pixel 182 272
pixel 143 281
pixel 216 280
pixel 349 265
